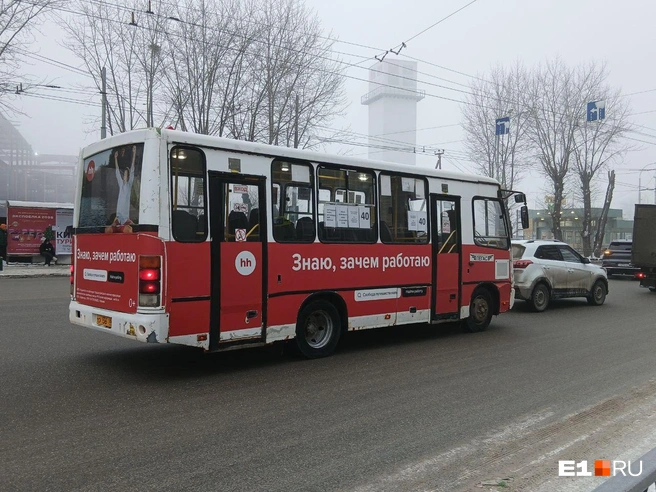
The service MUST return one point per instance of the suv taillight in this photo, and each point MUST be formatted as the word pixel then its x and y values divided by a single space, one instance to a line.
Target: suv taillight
pixel 150 279
pixel 521 263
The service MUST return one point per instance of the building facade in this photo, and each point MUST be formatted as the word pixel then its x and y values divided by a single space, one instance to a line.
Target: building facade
pixel 617 227
pixel 26 176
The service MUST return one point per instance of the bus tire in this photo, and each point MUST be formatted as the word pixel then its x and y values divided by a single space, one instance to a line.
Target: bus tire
pixel 480 311
pixel 318 329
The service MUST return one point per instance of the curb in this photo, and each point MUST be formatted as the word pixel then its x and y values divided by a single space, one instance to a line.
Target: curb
pixel 27 274
pixel 23 275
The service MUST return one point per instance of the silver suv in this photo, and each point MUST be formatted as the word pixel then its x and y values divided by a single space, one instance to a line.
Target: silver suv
pixel 545 270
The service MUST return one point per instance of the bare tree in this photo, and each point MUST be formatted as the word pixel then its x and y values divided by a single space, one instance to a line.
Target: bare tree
pixel 501 94
pixel 599 143
pixel 101 39
pixel 255 70
pixel 17 19
pixel 206 64
pixel 295 83
pixel 555 112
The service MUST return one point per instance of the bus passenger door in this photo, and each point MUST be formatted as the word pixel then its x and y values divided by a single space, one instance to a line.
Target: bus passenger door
pixel 238 250
pixel 445 224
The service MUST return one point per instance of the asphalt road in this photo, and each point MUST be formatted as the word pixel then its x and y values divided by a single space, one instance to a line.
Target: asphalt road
pixel 80 410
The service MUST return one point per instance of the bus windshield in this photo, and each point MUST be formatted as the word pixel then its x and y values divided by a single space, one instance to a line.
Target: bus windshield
pixel 111 190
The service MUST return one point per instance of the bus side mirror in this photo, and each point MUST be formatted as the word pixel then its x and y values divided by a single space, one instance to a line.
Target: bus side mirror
pixel 520 198
pixel 524 214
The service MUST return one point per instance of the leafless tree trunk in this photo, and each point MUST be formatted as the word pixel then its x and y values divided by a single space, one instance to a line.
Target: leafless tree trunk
pixel 603 218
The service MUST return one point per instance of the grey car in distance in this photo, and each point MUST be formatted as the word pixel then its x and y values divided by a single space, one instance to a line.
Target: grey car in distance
pixel 544 270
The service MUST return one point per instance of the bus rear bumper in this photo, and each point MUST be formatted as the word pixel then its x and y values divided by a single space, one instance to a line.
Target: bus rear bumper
pixel 150 328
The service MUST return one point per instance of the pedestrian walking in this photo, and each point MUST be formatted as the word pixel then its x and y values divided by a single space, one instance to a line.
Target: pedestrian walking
pixel 47 250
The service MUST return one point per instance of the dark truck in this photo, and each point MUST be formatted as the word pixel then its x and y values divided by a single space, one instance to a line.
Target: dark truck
pixel 644 244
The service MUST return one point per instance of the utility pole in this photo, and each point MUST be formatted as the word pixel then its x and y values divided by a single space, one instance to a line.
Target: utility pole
pixel 296 124
pixel 439 159
pixel 103 128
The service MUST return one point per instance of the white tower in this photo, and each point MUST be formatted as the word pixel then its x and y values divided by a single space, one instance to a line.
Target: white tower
pixel 392 101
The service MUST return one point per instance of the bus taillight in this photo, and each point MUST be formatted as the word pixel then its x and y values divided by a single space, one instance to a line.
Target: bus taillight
pixel 72 278
pixel 149 280
pixel 149 274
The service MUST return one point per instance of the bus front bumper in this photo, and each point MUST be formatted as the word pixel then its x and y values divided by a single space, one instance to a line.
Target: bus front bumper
pixel 151 328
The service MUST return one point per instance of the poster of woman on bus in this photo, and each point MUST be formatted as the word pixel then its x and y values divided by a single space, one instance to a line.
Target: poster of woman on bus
pixel 111 189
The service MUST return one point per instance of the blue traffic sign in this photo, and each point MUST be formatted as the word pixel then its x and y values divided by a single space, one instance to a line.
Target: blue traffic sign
pixel 596 110
pixel 502 126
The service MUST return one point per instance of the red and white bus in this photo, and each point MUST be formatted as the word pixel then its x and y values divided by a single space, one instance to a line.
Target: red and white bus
pixel 218 244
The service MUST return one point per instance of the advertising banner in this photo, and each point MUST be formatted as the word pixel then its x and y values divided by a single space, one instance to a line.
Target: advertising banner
pixel 26 227
pixel 63 232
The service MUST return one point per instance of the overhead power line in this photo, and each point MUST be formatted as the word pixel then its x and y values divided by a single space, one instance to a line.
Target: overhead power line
pixel 439 21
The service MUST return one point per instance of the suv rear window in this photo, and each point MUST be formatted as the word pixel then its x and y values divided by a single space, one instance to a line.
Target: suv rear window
pixel 620 246
pixel 517 251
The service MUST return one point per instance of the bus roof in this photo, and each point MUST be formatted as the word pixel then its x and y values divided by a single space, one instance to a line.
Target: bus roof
pixel 177 136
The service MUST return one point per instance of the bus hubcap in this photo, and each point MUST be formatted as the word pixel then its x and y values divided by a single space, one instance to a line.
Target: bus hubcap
pixel 318 329
pixel 480 309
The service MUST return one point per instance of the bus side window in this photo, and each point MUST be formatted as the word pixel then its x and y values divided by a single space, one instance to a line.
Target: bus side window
pixel 403 214
pixel 292 192
pixel 188 214
pixel 350 217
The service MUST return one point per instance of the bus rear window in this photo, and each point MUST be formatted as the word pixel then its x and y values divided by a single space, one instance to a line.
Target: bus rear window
pixel 111 190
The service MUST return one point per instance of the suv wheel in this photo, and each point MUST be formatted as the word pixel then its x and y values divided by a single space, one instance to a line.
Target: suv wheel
pixel 597 294
pixel 540 298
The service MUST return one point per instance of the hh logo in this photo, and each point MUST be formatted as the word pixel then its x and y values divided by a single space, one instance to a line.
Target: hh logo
pixel 602 468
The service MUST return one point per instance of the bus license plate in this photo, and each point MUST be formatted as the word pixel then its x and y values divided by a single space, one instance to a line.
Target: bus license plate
pixel 104 321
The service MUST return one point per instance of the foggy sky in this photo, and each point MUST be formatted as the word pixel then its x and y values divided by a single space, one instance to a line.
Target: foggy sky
pixel 485 33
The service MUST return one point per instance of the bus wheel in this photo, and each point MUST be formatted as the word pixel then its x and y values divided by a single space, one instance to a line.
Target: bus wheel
pixel 480 311
pixel 318 329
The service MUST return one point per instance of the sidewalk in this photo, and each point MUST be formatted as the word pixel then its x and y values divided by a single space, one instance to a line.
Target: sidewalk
pixel 27 270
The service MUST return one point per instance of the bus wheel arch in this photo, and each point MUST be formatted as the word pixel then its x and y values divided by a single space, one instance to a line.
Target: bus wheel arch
pixel 320 322
pixel 483 304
